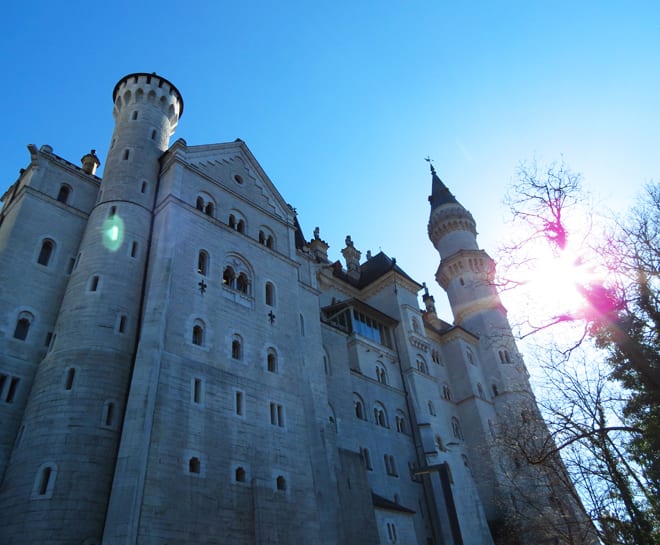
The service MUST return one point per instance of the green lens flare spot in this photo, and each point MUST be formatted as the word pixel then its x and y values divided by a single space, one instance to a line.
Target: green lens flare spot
pixel 113 233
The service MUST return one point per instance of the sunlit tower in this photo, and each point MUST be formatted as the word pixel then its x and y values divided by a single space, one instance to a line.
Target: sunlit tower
pixel 70 434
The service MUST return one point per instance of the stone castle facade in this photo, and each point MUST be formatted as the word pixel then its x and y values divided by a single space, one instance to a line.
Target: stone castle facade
pixel 179 365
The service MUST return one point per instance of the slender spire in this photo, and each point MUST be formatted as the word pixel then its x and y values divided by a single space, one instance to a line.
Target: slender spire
pixel 440 193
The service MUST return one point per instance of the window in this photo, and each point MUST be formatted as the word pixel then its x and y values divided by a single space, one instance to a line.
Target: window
pixel 504 356
pixel 228 277
pixel 238 179
pixel 11 383
pixel 121 326
pixel 326 365
pixel 381 374
pixel 470 356
pixel 237 347
pixel 196 391
pixel 400 420
pixel 70 265
pixel 202 262
pixel 44 482
pixel 391 532
pixel 242 283
pixel 390 466
pixel 359 407
pixel 271 361
pixel 266 239
pixel 143 187
pixel 198 333
pixel 239 403
pixel 153 136
pixel 70 375
pixel 380 416
pixel 126 154
pixel 302 326
pixel 456 428
pixel 431 408
pixel 276 414
pixel 134 249
pixel 108 414
pixel 495 390
pixel 63 194
pixel 113 212
pixel 270 294
pixel 446 392
pixel 366 458
pixel 435 356
pixel 46 252
pixel 194 465
pixel 236 222
pixel 415 325
pixel 480 391
pixel 421 365
pixel 240 226
pixel 239 475
pixel 93 283
pixel 199 204
pixel 23 324
pixel 134 116
pixel 280 483
pixel 208 209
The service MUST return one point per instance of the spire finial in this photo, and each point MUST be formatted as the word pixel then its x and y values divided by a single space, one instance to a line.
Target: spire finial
pixel 430 162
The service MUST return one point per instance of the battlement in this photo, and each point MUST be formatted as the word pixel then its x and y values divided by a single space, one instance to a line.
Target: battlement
pixel 140 86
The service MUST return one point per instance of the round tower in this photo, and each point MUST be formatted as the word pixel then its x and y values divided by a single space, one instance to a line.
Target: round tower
pixel 60 473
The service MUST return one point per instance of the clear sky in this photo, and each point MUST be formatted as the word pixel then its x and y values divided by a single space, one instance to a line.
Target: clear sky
pixel 341 101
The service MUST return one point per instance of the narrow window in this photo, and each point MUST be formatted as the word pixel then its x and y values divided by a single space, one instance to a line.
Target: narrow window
pixel 239 475
pixel 270 294
pixel 70 375
pixel 208 210
pixel 281 483
pixel 11 392
pixel 236 349
pixel 242 283
pixel 262 237
pixel 240 226
pixel 197 391
pixel 431 408
pixel 198 335
pixel 277 415
pixel 272 362
pixel 228 277
pixel 199 204
pixel 46 252
pixel 113 211
pixel 153 136
pixel 495 390
pixel 75 266
pixel 143 187
pixel 239 403
pixel 194 465
pixel 269 242
pixel 134 248
pixel 94 283
pixel 302 326
pixel 202 262
pixel 366 458
pixel 126 154
pixel 72 263
pixel 109 416
pixel 22 326
pixel 122 323
pixel 456 428
pixel 3 379
pixel 44 480
pixel 232 221
pixel 49 337
pixel 134 116
pixel 63 194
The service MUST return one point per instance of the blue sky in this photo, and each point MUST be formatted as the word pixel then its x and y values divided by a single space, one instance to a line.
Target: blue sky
pixel 341 101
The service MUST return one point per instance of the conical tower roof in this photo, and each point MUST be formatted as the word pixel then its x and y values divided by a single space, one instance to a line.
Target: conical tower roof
pixel 440 193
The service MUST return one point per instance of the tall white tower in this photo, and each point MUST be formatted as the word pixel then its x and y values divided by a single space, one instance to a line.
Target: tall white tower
pixel 60 471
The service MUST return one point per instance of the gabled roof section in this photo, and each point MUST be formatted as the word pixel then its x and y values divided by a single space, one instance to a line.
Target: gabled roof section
pixel 440 193
pixel 232 165
pixel 371 270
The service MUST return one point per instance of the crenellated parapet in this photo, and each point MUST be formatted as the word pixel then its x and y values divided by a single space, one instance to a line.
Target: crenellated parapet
pixel 141 87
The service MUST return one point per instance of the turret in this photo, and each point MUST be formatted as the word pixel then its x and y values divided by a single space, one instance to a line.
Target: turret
pixel 74 414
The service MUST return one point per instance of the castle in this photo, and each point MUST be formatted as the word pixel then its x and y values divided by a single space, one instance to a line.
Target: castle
pixel 180 365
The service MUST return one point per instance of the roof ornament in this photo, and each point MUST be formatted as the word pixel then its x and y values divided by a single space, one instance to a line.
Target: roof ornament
pixel 430 162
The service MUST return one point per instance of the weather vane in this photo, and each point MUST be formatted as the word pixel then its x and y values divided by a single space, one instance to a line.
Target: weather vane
pixel 430 162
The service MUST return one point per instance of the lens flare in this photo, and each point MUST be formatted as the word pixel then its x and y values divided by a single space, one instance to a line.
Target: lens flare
pixel 113 233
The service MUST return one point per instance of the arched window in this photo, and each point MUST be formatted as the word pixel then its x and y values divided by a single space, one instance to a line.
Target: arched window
pixel 232 221
pixel 280 483
pixel 23 324
pixel 198 333
pixel 381 374
pixel 270 242
pixel 421 365
pixel 446 392
pixel 202 262
pixel 237 347
pixel 63 194
pixel 240 226
pixel 504 356
pixel 229 277
pixel 380 416
pixel 46 252
pixel 262 237
pixel 271 361
pixel 242 283
pixel 456 428
pixel 358 405
pixel 208 209
pixel 400 419
pixel 270 294
pixel 199 204
pixel 239 475
pixel 194 465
